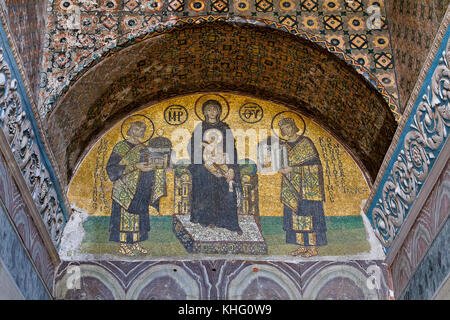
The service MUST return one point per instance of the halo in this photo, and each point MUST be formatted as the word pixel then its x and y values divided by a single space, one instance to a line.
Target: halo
pixel 298 119
pixel 149 130
pixel 223 102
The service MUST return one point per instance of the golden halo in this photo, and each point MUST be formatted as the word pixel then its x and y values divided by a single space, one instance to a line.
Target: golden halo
pixel 149 130
pixel 223 102
pixel 298 119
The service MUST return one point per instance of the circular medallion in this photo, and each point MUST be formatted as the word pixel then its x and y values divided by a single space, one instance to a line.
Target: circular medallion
pixel 175 115
pixel 251 112
pixel 197 5
pixel 242 5
pixel 287 5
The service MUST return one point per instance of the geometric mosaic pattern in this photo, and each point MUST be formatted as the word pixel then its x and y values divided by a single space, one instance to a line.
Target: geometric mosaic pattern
pixel 80 32
pixel 412 26
pixel 27 28
pixel 198 57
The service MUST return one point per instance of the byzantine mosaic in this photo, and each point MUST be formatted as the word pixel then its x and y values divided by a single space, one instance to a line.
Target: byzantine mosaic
pixel 81 31
pixel 169 206
pixel 219 56
pixel 19 128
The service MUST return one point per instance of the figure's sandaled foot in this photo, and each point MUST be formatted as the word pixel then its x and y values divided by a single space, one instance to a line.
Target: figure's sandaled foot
pixel 240 233
pixel 139 248
pixel 212 226
pixel 125 250
pixel 310 253
pixel 299 251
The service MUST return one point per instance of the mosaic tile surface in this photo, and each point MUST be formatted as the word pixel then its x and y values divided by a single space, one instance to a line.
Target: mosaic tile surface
pixel 413 26
pixel 258 62
pixel 26 20
pixel 82 30
pixel 195 211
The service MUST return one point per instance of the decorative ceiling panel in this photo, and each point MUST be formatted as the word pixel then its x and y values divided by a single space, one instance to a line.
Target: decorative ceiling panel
pixel 221 57
pixel 81 32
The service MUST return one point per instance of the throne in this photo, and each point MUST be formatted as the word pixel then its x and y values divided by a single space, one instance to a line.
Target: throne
pixel 198 239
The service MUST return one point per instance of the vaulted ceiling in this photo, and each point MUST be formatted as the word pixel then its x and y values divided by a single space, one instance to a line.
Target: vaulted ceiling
pixel 220 56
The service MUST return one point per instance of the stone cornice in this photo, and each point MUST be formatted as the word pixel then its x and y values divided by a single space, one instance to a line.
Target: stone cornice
pixel 411 101
pixel 32 101
pixel 419 203
pixel 401 182
pixel 24 142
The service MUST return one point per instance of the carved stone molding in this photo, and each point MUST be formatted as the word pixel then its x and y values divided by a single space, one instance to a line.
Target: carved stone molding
pixel 416 147
pixel 21 138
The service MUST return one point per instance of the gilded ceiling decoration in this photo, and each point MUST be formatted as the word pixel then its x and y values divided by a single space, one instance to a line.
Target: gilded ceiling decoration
pixel 82 32
pixel 217 57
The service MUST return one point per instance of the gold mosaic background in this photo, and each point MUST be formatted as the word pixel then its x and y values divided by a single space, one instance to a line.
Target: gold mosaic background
pixel 90 188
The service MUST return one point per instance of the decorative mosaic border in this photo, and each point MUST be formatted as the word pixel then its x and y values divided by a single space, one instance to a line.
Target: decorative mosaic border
pixel 23 137
pixel 180 23
pixel 421 140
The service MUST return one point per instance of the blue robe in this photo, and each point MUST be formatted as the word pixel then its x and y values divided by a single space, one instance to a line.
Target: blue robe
pixel 212 203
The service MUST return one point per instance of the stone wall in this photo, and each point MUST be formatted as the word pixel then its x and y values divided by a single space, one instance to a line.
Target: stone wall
pixel 417 150
pixel 410 205
pixel 23 140
pixel 24 257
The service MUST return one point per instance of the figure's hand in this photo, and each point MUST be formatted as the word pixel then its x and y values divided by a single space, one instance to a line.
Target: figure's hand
pixel 286 170
pixel 229 175
pixel 169 169
pixel 143 166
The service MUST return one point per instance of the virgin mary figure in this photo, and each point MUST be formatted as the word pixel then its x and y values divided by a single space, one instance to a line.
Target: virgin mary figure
pixel 215 172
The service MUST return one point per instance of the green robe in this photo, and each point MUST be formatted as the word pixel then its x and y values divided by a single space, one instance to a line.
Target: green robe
pixel 302 193
pixel 133 192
